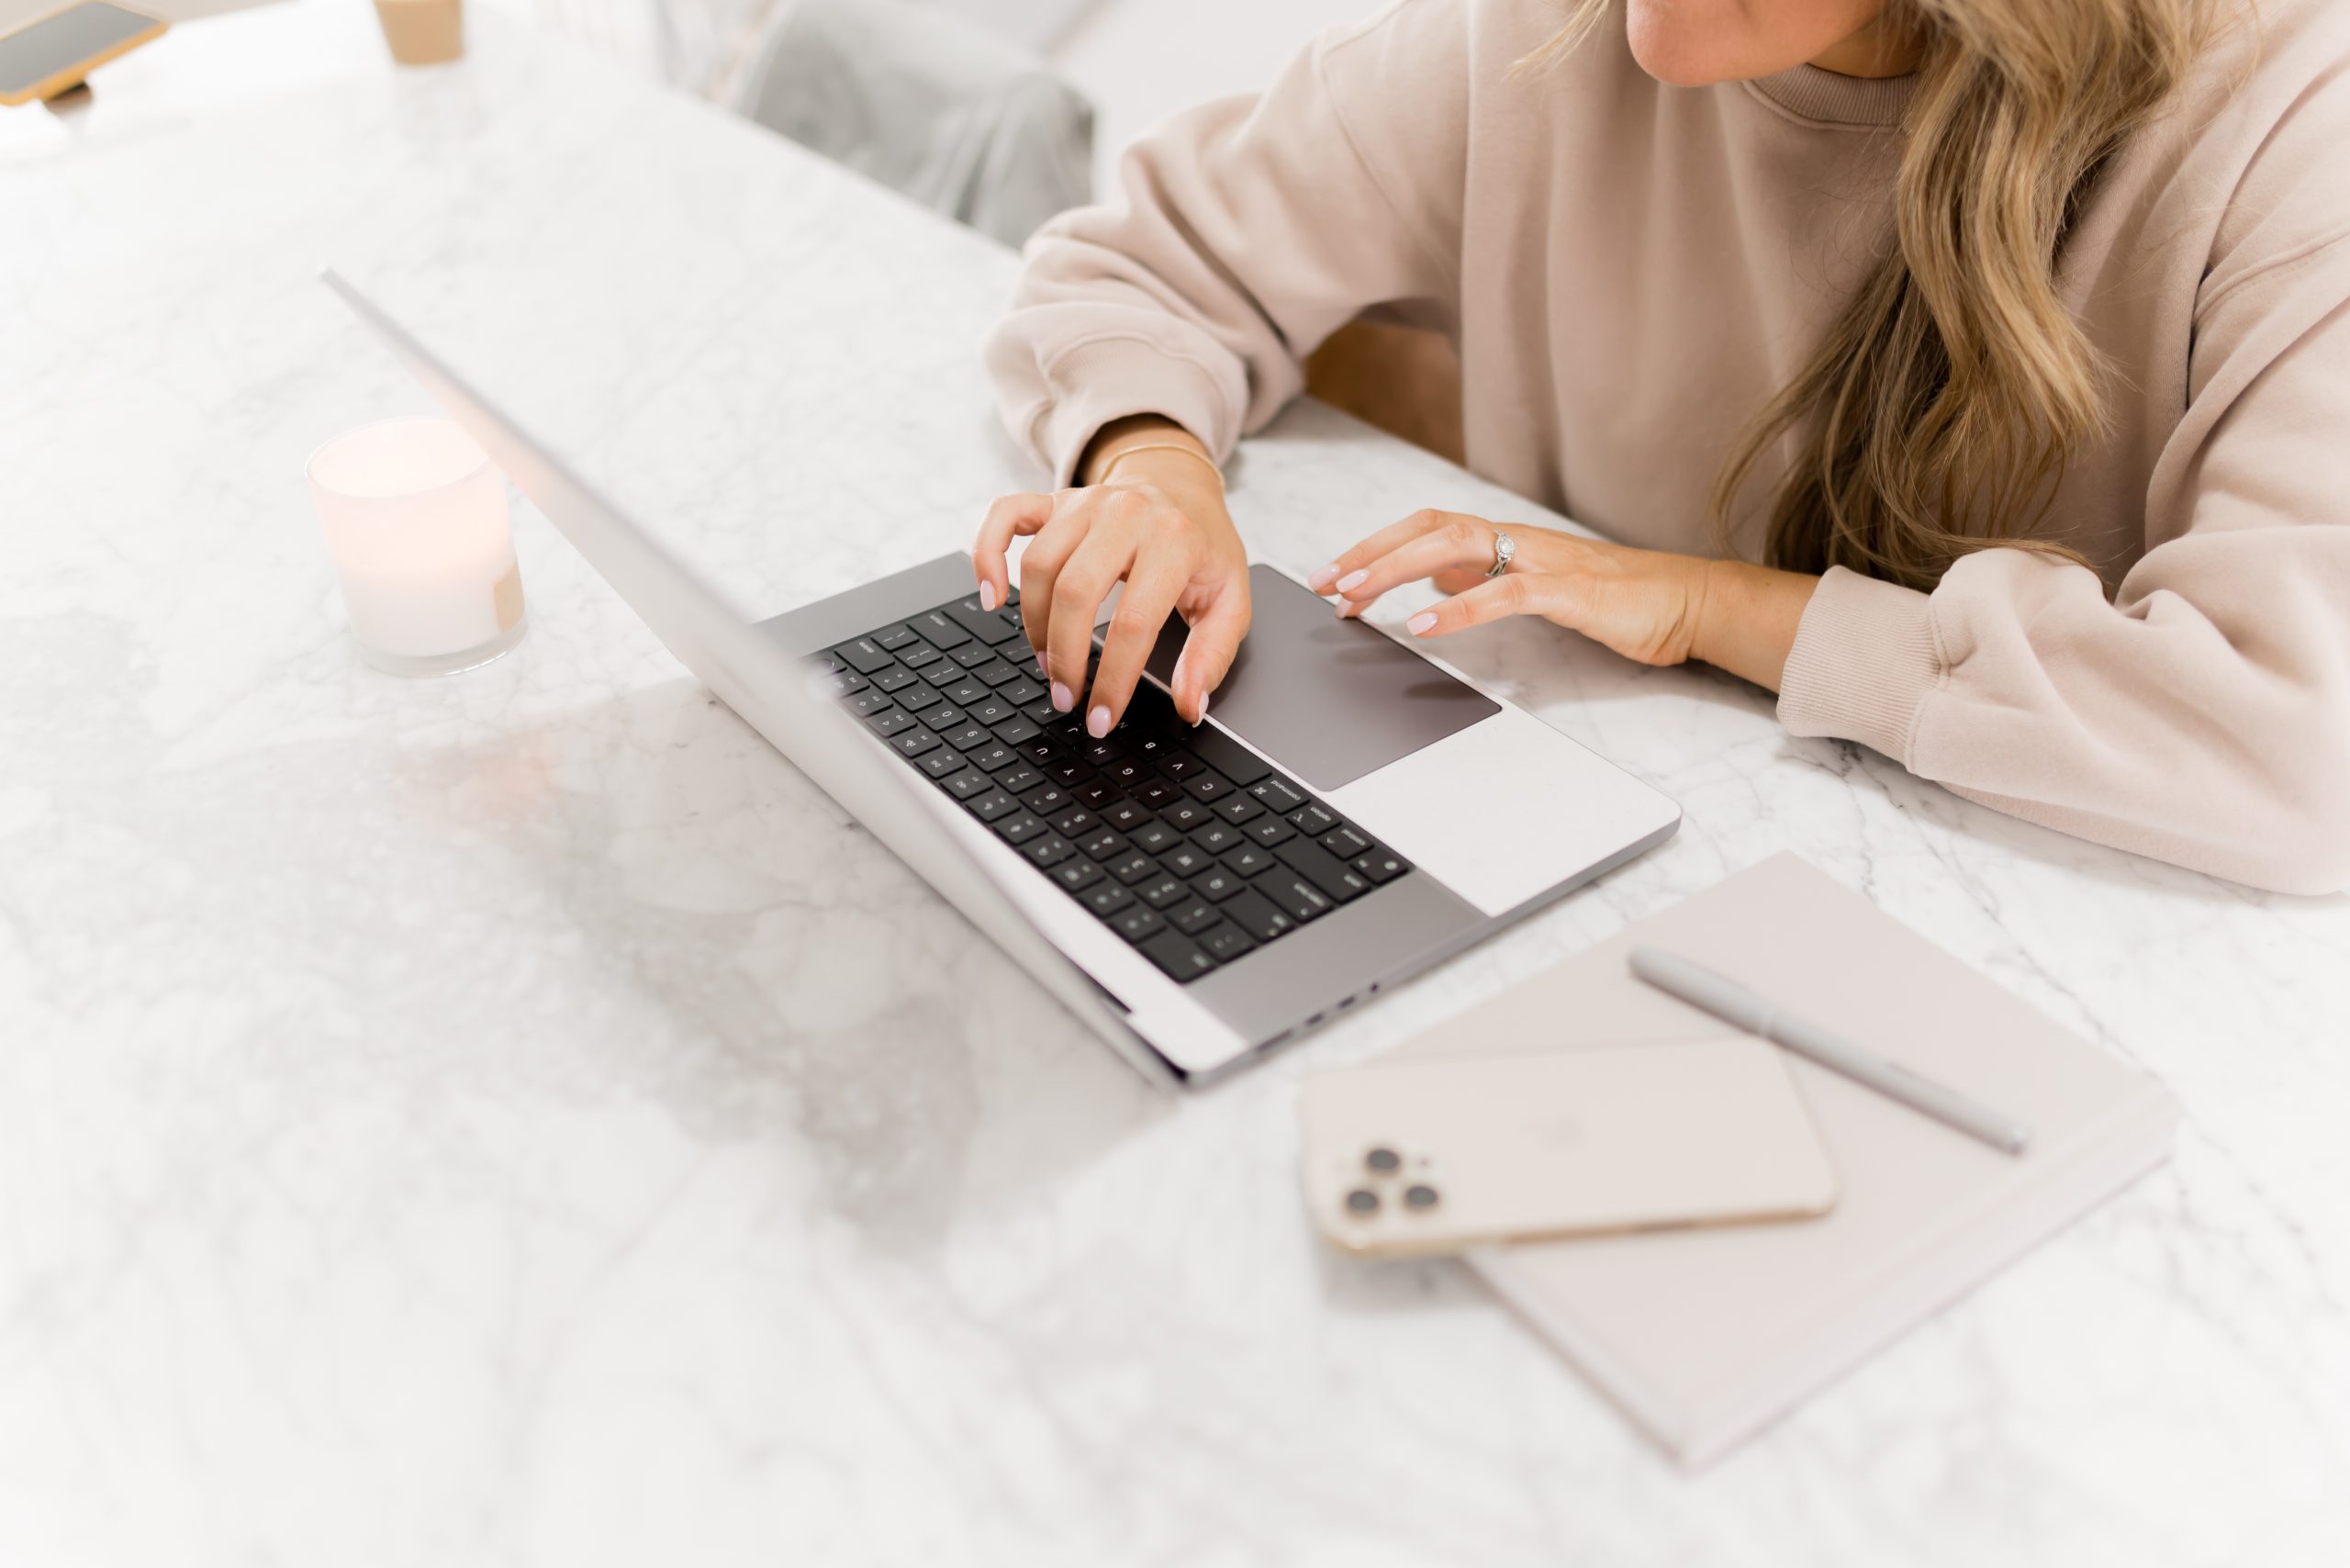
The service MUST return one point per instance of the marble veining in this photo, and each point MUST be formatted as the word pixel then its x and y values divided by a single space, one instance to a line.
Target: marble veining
pixel 515 1118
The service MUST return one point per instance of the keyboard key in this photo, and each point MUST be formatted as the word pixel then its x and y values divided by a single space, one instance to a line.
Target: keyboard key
pixel 1184 860
pixel 1101 753
pixel 1217 883
pixel 1313 818
pixel 1068 770
pixel 1177 765
pixel 984 624
pixel 915 742
pixel 917 697
pixel 1041 711
pixel 1077 875
pixel 865 656
pixel 992 805
pixel 1075 822
pixel 1190 915
pixel 993 754
pixel 1292 893
pixel 1267 830
pixel 1225 943
pixel 1136 922
pixel 1105 898
pixel 1238 809
pixel 1227 756
pixel 973 654
pixel 1156 792
pixel 967 783
pixel 1128 771
pixel 920 655
pixel 832 664
pixel 965 737
pixel 1250 861
pixel 944 717
pixel 1208 787
pixel 1020 827
pixel 1047 800
pixel 1277 794
pixel 996 674
pixel 992 711
pixel 1326 871
pixel 1255 915
pixel 966 691
pixel 1345 843
pixel 1147 745
pixel 1129 865
pixel 841 683
pixel 939 632
pixel 1161 890
pixel 1049 850
pixel 890 723
pixel 897 638
pixel 1021 692
pixel 1215 838
pixel 1093 792
pixel 1019 778
pixel 893 677
pixel 942 762
pixel 1380 866
pixel 1124 815
pixel 1186 814
pixel 1038 749
pixel 867 703
pixel 1101 843
pixel 1181 957
pixel 1017 730
pixel 1155 838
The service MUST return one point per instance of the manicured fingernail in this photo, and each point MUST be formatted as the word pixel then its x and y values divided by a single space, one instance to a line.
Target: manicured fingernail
pixel 1062 697
pixel 1320 581
pixel 1203 711
pixel 1352 580
pixel 1043 672
pixel 987 596
pixel 1418 624
pixel 1097 723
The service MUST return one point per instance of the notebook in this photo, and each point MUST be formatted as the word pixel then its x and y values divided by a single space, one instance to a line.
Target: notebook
pixel 1703 1337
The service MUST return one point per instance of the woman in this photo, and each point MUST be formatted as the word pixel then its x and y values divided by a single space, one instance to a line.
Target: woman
pixel 2010 336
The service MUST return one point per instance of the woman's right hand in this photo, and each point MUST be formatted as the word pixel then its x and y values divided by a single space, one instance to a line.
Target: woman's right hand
pixel 1158 524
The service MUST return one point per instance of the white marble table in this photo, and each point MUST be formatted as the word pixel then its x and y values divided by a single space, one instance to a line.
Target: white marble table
pixel 514 1119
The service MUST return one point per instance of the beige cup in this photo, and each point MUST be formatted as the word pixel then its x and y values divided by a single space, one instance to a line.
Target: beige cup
pixel 423 32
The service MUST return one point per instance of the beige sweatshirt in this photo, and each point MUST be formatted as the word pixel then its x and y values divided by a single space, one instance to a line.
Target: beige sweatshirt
pixel 1629 270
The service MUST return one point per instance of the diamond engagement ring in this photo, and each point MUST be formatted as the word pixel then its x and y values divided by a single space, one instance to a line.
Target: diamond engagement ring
pixel 1504 551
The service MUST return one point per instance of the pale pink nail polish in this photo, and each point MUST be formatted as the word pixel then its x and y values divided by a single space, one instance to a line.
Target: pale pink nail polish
pixel 1418 624
pixel 1203 711
pixel 1353 580
pixel 1062 697
pixel 1320 581
pixel 987 596
pixel 1097 723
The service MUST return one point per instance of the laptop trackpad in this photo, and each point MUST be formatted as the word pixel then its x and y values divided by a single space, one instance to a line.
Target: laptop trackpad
pixel 1329 699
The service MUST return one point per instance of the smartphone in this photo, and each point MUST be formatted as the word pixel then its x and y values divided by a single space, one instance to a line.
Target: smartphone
pixel 44 58
pixel 1441 1154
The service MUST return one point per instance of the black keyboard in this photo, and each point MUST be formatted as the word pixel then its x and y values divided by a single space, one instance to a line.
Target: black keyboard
pixel 1180 840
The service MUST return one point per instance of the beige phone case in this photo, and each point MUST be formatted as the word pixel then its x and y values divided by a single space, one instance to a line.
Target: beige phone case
pixel 1438 1156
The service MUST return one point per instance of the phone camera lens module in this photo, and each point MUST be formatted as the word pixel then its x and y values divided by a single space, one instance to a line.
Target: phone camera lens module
pixel 1363 1201
pixel 1420 1197
pixel 1382 1161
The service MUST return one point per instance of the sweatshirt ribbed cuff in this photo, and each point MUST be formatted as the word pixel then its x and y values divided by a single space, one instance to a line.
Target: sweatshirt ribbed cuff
pixel 1863 661
pixel 1115 379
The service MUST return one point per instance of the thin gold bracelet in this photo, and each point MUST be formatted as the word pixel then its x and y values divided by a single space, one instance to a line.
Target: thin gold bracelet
pixel 1125 452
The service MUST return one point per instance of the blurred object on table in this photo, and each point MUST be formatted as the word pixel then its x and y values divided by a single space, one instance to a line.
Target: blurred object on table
pixel 423 32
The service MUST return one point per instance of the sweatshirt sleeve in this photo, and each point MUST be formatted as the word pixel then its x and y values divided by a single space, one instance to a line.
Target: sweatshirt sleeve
pixel 2203 715
pixel 1247 231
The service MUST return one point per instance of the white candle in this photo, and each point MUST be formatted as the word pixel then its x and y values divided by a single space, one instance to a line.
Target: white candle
pixel 415 517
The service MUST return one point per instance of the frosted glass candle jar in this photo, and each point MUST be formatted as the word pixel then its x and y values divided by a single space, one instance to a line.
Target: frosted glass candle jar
pixel 415 516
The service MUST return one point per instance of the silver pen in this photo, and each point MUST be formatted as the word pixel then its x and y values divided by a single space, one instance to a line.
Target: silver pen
pixel 1727 1000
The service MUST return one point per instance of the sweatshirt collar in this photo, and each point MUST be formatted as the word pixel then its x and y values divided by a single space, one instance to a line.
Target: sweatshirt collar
pixel 1828 98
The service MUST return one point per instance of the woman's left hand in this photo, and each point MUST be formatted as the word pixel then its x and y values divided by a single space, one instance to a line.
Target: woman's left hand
pixel 1647 605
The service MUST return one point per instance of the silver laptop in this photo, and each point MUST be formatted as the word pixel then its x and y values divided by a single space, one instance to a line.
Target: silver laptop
pixel 1350 814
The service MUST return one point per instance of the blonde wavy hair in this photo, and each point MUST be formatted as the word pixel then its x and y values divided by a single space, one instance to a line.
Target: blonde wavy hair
pixel 1954 385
